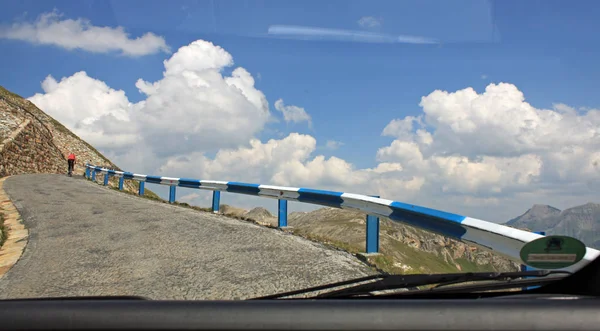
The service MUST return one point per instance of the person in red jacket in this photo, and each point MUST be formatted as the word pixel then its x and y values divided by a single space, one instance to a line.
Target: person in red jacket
pixel 71 160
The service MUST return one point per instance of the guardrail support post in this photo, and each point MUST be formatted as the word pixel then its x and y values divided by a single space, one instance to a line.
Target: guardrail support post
pixel 282 214
pixel 216 201
pixel 106 176
pixel 172 194
pixel 141 190
pixel 94 175
pixel 87 172
pixel 372 233
pixel 526 268
pixel 121 181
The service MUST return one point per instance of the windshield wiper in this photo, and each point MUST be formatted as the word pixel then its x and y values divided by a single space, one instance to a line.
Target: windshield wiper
pixel 393 282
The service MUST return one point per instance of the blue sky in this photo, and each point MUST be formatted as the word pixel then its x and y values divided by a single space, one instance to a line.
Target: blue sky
pixel 352 90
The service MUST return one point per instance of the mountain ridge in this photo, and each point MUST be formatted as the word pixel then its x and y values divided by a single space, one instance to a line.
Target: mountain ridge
pixel 581 222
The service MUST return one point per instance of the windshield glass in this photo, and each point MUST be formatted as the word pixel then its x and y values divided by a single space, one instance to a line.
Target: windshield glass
pixel 237 149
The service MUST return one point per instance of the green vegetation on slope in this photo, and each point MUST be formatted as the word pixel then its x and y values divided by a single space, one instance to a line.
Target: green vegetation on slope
pixel 3 230
pixel 403 249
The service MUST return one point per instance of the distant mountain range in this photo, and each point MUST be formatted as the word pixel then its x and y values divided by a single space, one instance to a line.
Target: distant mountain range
pixel 581 222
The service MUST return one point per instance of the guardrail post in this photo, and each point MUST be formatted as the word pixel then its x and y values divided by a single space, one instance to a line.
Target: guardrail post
pixel 282 213
pixel 141 190
pixel 87 172
pixel 94 175
pixel 106 176
pixel 172 194
pixel 216 201
pixel 526 268
pixel 121 181
pixel 372 233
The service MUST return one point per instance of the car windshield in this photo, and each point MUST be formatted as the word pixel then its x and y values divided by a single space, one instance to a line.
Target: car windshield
pixel 228 150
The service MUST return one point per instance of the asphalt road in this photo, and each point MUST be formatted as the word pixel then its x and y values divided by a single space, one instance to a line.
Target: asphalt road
pixel 85 239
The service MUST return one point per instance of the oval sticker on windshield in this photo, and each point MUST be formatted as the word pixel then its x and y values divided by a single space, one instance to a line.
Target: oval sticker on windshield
pixel 553 252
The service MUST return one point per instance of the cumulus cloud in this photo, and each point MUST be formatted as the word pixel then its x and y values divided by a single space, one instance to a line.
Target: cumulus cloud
pixel 292 113
pixel 193 108
pixel 291 162
pixel 494 143
pixel 465 152
pixel 51 29
pixel 498 122
pixel 446 157
pixel 89 108
pixel 370 22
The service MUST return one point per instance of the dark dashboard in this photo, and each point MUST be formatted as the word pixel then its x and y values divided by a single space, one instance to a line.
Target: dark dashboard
pixel 515 312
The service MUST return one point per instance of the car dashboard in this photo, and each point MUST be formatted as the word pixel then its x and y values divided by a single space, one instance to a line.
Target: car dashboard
pixel 514 312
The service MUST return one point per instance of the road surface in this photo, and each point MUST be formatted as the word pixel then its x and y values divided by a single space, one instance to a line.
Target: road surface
pixel 85 239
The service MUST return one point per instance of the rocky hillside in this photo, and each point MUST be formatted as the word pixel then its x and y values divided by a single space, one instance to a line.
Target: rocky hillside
pixel 581 222
pixel 540 217
pixel 34 142
pixel 405 249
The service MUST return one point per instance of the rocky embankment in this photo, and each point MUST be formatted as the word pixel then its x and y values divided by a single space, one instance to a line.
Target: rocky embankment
pixel 31 141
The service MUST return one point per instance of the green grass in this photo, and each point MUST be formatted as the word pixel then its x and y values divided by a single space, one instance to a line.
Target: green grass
pixel 385 263
pixel 9 93
pixel 470 266
pixel 417 259
pixel 3 230
pixel 381 262
pixel 353 249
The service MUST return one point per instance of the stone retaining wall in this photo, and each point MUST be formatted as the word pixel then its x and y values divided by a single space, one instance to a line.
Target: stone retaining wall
pixel 30 149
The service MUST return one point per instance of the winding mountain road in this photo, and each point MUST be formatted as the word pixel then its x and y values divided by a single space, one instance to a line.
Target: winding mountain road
pixel 85 239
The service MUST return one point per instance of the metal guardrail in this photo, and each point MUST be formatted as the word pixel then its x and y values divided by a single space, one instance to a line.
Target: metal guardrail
pixel 493 237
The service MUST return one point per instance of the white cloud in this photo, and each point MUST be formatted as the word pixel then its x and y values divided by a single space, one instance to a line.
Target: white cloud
pixel 445 158
pixel 89 108
pixel 333 145
pixel 292 113
pixel 484 76
pixel 494 143
pixel 51 29
pixel 198 56
pixel 193 108
pixel 290 162
pixel 499 122
pixel 487 155
pixel 370 22
pixel 401 128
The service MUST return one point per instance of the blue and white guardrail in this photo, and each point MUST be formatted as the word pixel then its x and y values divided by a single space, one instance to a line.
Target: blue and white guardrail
pixel 490 236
